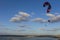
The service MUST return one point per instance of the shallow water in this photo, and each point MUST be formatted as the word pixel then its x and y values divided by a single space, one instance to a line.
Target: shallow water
pixel 25 38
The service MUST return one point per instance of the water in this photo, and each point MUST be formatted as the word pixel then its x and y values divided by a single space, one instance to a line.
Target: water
pixel 25 38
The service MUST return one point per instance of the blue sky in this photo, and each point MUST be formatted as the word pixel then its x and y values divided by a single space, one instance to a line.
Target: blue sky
pixel 9 8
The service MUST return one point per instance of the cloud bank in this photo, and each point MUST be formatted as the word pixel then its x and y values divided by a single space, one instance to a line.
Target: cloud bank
pixel 51 19
pixel 54 18
pixel 23 17
pixel 20 17
pixel 41 20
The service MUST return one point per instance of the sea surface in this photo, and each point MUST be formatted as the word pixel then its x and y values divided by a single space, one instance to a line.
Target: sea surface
pixel 27 38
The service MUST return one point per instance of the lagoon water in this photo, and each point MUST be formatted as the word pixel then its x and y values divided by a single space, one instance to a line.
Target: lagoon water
pixel 25 38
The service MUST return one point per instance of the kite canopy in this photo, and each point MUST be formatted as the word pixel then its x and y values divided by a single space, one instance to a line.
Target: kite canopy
pixel 49 6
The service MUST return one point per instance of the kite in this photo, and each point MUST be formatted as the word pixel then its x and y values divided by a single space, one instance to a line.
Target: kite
pixel 49 6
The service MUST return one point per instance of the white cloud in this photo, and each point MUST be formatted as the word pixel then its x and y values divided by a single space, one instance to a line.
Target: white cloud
pixel 50 15
pixel 22 16
pixel 39 20
pixel 56 28
pixel 53 29
pixel 42 29
pixel 23 26
pixel 52 18
pixel 55 19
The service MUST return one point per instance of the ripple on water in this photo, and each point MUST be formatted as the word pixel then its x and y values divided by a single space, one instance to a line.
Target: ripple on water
pixel 25 38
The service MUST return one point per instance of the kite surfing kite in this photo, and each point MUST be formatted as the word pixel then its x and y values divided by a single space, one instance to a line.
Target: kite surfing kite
pixel 49 6
pixel 48 9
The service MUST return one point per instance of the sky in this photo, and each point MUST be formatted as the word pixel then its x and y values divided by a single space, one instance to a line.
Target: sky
pixel 28 17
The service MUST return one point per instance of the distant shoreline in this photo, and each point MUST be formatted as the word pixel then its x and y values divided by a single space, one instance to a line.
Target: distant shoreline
pixel 30 36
